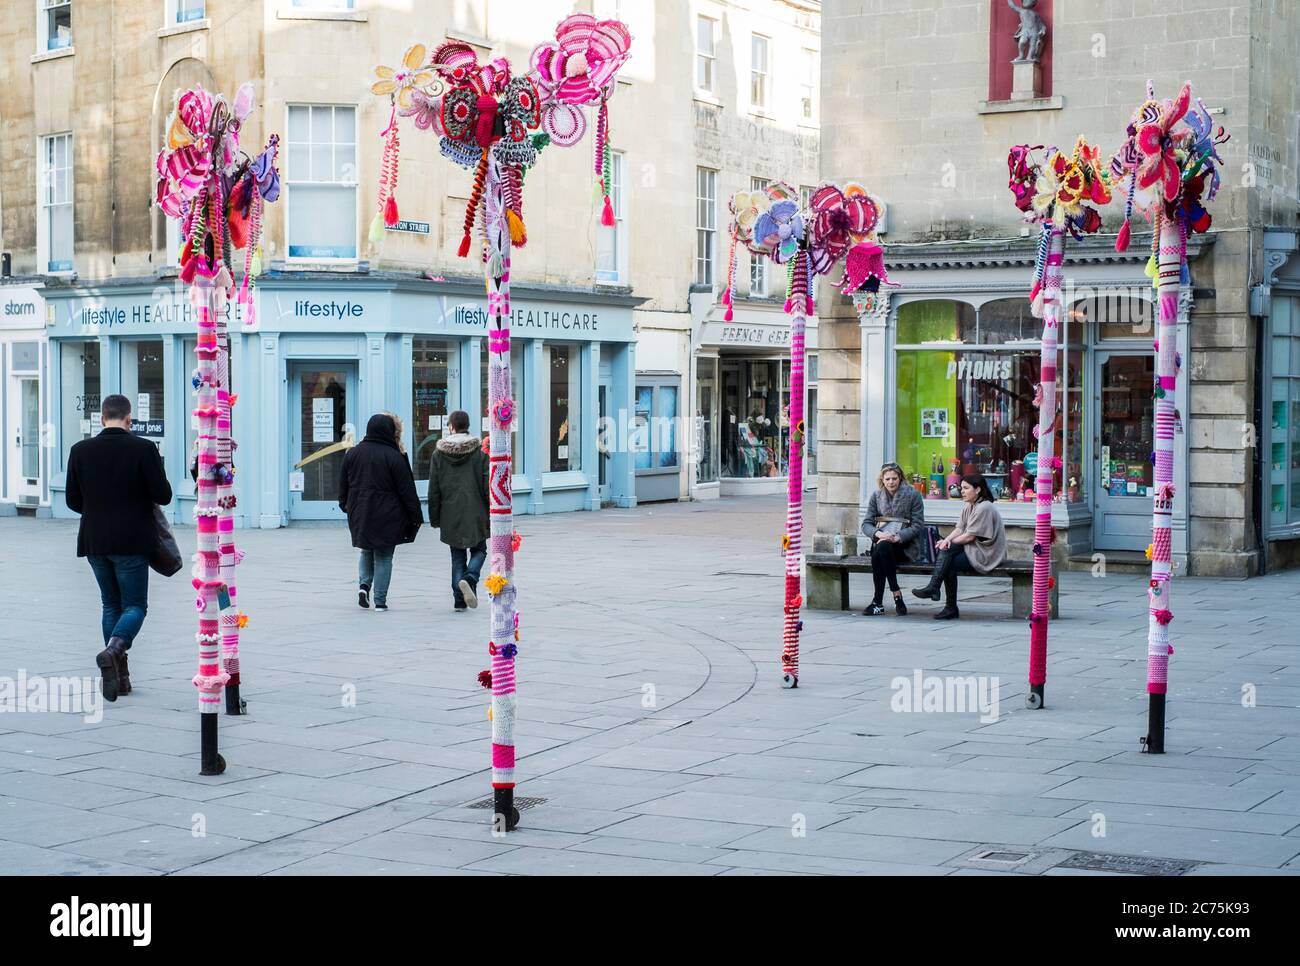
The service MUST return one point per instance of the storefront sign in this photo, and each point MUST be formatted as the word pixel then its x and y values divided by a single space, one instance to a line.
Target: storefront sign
pixel 308 308
pixel 990 368
pixel 415 227
pixel 142 427
pixel 533 318
pixel 21 307
pixel 164 308
pixel 756 333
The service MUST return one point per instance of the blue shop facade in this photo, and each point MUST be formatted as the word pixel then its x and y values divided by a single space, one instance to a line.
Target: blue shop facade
pixel 327 354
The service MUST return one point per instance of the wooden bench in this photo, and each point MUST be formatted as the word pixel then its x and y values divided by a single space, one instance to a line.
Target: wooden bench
pixel 826 570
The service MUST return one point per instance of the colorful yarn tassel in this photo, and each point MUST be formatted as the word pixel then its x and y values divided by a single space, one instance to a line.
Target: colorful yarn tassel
pixel 475 198
pixel 390 211
pixel 518 231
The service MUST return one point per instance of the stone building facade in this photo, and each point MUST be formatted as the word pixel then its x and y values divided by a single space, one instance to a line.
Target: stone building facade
pixel 939 369
pixel 85 90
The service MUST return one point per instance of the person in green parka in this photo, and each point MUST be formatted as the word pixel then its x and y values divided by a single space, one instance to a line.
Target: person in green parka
pixel 458 506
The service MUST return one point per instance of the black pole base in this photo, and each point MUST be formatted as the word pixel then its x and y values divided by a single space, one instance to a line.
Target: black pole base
pixel 211 762
pixel 1154 742
pixel 503 802
pixel 1034 700
pixel 234 703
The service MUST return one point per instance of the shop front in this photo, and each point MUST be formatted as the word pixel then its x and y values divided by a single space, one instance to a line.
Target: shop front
pixel 961 366
pixel 742 403
pixel 24 402
pixel 327 356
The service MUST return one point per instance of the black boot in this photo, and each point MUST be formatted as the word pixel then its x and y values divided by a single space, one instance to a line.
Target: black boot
pixel 899 607
pixel 949 612
pixel 123 675
pixel 111 661
pixel 941 566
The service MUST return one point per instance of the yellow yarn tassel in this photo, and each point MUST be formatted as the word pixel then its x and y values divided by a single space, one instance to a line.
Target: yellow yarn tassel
pixel 518 233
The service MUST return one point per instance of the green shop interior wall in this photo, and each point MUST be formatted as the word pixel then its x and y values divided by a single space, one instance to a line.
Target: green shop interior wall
pixel 923 383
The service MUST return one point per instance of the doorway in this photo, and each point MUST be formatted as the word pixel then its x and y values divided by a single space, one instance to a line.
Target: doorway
pixel 322 427
pixel 1125 439
pixel 27 443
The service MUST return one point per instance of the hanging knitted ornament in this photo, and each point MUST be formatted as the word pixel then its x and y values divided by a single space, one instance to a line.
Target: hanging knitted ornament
pixel 471 208
pixel 388 177
pixel 603 163
pixel 1121 240
pixel 518 231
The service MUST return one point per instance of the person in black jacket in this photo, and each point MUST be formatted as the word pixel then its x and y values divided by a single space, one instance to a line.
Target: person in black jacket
pixel 377 492
pixel 458 506
pixel 113 481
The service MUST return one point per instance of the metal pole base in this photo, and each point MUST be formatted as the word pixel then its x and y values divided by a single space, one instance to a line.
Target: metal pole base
pixel 212 763
pixel 235 704
pixel 789 680
pixel 503 807
pixel 1154 742
pixel 1034 699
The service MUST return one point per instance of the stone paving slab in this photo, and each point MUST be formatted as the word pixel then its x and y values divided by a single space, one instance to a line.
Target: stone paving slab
pixel 651 720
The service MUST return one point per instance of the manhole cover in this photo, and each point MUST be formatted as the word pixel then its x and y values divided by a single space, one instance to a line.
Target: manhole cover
pixel 523 803
pixel 1131 864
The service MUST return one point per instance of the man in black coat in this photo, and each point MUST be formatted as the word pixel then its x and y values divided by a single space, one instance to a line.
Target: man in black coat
pixel 377 492
pixel 458 506
pixel 114 480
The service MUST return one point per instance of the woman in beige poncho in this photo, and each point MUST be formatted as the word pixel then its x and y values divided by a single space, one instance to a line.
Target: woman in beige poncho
pixel 979 544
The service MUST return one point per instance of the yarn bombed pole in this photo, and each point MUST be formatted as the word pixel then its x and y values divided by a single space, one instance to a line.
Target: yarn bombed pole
pixel 840 224
pixel 1061 195
pixel 1170 160
pixel 217 194
pixel 483 114
pixel 1041 611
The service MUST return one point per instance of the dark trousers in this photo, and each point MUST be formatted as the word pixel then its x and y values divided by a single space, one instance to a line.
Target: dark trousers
pixel 467 570
pixel 951 562
pixel 124 593
pixel 885 558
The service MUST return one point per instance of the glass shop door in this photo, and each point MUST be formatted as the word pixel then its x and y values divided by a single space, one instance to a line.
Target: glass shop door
pixel 1123 445
pixel 323 425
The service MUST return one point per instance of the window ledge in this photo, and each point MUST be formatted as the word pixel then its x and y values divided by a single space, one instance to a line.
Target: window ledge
pixel 65 276
pixel 306 13
pixel 708 97
pixel 565 480
pixel 761 112
pixel 185 28
pixel 61 52
pixel 474 40
pixel 342 266
pixel 1054 103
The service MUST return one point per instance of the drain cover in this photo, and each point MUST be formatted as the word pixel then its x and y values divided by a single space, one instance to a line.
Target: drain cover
pixel 1131 864
pixel 522 803
pixel 1008 857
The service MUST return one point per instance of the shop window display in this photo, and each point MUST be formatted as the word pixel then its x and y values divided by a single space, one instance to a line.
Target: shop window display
pixel 755 417
pixel 81 393
pixel 564 366
pixel 142 383
pixel 432 369
pixel 972 410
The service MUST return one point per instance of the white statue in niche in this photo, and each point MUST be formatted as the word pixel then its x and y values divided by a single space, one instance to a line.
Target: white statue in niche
pixel 1031 32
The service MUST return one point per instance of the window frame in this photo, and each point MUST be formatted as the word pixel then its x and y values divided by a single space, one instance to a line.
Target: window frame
pixel 706 236
pixel 290 182
pixel 43 11
pixel 618 201
pixel 808 85
pixel 761 77
pixel 323 4
pixel 758 275
pixel 706 62
pixel 172 17
pixel 44 229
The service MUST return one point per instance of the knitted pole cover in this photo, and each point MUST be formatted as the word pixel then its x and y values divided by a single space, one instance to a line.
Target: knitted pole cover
pixel 230 618
pixel 504 627
pixel 1048 356
pixel 797 306
pixel 210 678
pixel 1169 268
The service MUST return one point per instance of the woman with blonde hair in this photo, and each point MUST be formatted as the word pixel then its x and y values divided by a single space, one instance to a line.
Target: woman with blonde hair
pixel 895 521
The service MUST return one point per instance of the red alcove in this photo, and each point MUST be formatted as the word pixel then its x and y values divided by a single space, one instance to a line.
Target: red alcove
pixel 1002 48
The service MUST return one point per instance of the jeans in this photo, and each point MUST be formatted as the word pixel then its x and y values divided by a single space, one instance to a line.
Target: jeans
pixel 124 593
pixel 461 570
pixel 375 571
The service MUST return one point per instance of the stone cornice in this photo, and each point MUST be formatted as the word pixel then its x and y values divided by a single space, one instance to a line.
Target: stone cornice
pixel 1023 252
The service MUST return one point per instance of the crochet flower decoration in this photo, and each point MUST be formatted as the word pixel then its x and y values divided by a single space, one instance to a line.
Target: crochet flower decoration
pixel 402 83
pixel 579 66
pixel 495 584
pixel 1157 140
pixel 1066 187
pixel 746 207
pixel 841 217
pixel 504 411
pixel 778 231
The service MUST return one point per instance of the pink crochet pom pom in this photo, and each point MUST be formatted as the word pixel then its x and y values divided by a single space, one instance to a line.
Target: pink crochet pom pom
pixel 1164 616
pixel 390 211
pixel 729 314
pixel 607 214
pixel 788 307
pixel 726 296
